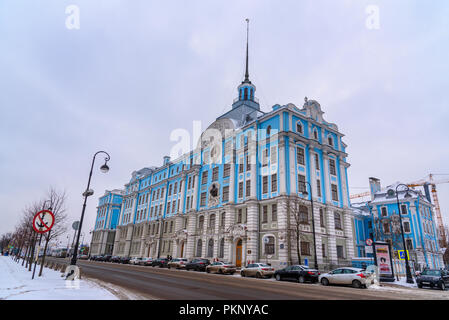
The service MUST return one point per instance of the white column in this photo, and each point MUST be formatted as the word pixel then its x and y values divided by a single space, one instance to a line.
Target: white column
pixel 318 240
pixel 282 227
pixel 190 243
pixel 313 173
pixel 348 226
pixel 282 170
pixel 195 189
pixel 232 182
pixel 344 186
pixel 229 220
pixel 252 230
pixel 291 171
pixel 183 192
pixel 332 249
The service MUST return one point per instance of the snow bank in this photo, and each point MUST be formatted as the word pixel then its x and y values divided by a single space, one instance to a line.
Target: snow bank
pixel 16 284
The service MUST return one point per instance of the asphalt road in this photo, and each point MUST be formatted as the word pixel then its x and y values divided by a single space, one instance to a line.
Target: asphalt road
pixel 156 283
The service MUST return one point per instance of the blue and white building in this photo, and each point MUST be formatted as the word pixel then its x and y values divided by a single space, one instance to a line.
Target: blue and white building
pixel 108 212
pixel 229 197
pixel 378 219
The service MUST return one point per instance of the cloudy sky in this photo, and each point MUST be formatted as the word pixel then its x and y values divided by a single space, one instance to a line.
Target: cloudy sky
pixel 136 70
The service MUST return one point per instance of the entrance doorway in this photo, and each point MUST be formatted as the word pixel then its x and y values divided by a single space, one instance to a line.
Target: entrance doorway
pixel 182 250
pixel 238 253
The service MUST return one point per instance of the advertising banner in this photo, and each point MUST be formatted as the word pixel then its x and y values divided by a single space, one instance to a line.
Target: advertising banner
pixel 383 260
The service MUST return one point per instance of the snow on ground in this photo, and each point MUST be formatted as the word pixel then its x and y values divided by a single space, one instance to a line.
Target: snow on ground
pixel 16 284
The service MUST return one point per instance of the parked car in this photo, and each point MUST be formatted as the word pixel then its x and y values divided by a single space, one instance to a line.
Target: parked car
pixel 146 261
pixel 297 273
pixel 433 278
pixel 107 258
pixel 259 270
pixel 93 258
pixel 160 262
pixel 115 259
pixel 198 264
pixel 125 260
pixel 177 263
pixel 83 257
pixel 135 260
pixel 221 267
pixel 100 258
pixel 356 277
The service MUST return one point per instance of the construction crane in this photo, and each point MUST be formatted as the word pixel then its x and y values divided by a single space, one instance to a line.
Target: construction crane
pixel 424 183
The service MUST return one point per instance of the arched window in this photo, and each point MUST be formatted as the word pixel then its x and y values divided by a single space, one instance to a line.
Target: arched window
pixel 240 94
pixel 269 245
pixel 330 141
pixel 251 96
pixel 299 128
pixel 201 223
pixel 210 248
pixel 268 130
pixel 212 221
pixel 315 134
pixel 245 96
pixel 199 248
pixel 221 248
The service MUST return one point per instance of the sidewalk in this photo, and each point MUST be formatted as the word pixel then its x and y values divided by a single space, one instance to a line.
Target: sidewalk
pixel 16 284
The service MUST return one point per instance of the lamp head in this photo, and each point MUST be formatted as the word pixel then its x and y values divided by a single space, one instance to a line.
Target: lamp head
pixel 305 193
pixel 104 168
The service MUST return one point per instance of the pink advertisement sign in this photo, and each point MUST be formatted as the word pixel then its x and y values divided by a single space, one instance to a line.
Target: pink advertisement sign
pixel 383 259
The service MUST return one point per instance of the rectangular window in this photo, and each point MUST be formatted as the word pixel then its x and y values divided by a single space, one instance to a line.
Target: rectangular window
pixel 337 221
pixel 317 162
pixel 203 199
pixel 322 218
pixel 407 227
pixel 383 211
pixel 274 182
pixel 340 252
pixel 225 193
pixel 265 214
pixel 300 158
pixel 187 203
pixel 215 174
pixel 226 170
pixel 274 155
pixel 223 219
pixel 334 192
pixel 169 190
pixel 241 189
pixel 189 183
pixel 265 157
pixel 265 185
pixel 332 167
pixel 386 227
pixel 173 207
pixel 301 183
pixel 403 208
pixel 204 177
pixel 248 188
pixel 305 248
pixel 274 213
pixel 241 166
pixel 239 216
pixel 323 249
pixel 318 187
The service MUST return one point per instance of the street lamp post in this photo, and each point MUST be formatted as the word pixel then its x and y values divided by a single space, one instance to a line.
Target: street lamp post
pixel 104 168
pixel 407 195
pixel 313 222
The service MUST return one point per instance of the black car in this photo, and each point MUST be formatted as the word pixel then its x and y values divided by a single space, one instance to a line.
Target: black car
pixel 107 258
pixel 115 259
pixel 125 260
pixel 100 258
pixel 160 262
pixel 197 264
pixel 297 273
pixel 433 278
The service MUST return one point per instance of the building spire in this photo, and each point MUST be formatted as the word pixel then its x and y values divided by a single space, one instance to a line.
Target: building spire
pixel 247 40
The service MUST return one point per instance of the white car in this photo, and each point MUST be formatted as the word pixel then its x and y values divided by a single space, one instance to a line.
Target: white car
pixel 356 277
pixel 135 261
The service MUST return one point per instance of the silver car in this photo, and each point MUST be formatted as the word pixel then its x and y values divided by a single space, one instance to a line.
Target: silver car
pixel 135 261
pixel 177 263
pixel 358 278
pixel 258 270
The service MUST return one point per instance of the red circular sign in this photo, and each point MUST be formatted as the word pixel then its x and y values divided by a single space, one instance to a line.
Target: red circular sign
pixel 369 242
pixel 43 221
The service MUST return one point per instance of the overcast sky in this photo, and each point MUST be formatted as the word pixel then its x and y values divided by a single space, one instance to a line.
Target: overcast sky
pixel 136 70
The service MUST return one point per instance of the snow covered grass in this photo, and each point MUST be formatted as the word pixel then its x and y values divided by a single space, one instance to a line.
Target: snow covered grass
pixel 16 284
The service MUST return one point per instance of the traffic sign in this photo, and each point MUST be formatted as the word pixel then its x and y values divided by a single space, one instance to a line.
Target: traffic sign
pixel 402 255
pixel 43 221
pixel 369 242
pixel 75 225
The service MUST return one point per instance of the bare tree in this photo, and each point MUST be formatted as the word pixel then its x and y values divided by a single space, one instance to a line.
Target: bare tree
pixel 5 240
pixel 298 217
pixel 57 201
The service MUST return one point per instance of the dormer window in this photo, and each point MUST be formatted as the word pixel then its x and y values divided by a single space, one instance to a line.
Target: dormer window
pixel 299 128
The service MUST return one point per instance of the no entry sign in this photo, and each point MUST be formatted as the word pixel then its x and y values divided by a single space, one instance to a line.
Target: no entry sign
pixel 43 221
